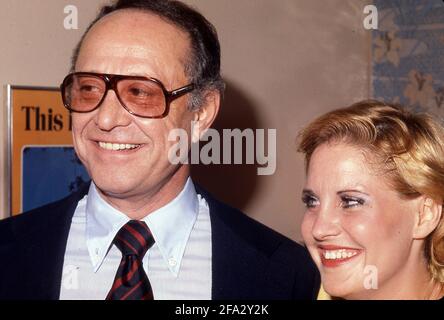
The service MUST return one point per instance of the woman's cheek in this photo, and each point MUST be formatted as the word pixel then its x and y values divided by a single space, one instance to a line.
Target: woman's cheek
pixel 306 231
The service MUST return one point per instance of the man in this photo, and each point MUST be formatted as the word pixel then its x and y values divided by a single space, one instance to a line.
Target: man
pixel 142 229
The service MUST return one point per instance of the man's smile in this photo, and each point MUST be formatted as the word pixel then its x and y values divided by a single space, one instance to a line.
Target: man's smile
pixel 117 146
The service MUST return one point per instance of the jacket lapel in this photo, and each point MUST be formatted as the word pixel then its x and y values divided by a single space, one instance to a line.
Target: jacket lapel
pixel 240 261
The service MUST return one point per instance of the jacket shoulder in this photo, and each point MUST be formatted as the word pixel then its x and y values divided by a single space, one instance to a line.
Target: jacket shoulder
pixel 45 216
pixel 287 264
pixel 250 230
pixel 290 261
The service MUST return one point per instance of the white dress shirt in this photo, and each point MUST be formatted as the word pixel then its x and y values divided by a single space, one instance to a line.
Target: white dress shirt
pixel 178 265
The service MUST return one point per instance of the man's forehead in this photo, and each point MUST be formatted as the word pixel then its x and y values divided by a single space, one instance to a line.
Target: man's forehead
pixel 136 51
pixel 138 32
pixel 139 21
pixel 133 38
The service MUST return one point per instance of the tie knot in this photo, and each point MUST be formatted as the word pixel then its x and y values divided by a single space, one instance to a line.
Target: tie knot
pixel 134 238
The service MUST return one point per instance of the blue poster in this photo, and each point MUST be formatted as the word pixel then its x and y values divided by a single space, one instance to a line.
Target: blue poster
pixel 49 174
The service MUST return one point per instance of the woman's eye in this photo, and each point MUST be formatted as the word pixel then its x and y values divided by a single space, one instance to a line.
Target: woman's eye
pixel 351 202
pixel 310 201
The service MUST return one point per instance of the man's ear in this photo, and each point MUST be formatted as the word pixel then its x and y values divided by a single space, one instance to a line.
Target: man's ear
pixel 428 217
pixel 204 117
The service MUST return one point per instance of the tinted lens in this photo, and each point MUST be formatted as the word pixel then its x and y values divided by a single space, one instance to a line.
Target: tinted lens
pixel 142 97
pixel 83 92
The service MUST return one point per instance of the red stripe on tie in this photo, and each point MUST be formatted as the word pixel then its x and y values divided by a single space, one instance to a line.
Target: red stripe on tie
pixel 131 291
pixel 118 282
pixel 136 235
pixel 128 244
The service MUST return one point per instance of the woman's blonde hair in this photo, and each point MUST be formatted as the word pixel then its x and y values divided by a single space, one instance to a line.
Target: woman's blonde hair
pixel 408 147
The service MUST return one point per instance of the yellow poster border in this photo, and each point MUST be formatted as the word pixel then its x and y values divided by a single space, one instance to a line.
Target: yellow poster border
pixel 47 92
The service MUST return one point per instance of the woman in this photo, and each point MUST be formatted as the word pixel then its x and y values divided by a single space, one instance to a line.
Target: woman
pixel 374 195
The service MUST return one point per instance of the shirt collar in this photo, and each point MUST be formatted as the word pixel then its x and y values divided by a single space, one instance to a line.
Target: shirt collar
pixel 170 225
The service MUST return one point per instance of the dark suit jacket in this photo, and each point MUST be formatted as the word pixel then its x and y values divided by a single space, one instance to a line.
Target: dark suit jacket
pixel 250 261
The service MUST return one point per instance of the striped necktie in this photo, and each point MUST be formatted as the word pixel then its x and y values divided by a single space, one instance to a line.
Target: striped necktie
pixel 131 281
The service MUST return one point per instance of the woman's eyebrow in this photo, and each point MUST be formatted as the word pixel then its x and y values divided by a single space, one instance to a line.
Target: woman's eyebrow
pixel 308 192
pixel 351 190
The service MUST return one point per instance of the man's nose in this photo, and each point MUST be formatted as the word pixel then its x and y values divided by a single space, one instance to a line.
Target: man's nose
pixel 327 224
pixel 111 113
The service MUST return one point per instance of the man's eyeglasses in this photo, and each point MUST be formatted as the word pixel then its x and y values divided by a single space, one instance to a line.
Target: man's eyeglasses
pixel 141 96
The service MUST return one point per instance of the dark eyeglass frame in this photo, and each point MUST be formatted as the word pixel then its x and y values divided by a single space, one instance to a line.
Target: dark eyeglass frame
pixel 111 81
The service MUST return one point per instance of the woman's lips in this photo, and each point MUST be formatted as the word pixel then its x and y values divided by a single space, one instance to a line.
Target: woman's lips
pixel 334 256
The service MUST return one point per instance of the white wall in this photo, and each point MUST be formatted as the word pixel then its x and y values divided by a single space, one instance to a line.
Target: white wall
pixel 285 61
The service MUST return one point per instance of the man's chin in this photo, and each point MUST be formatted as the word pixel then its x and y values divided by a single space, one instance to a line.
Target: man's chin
pixel 115 188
